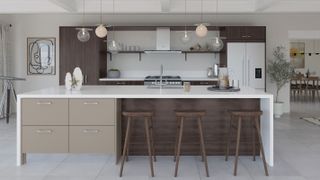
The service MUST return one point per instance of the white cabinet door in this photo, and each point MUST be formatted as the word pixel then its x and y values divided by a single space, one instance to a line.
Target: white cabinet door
pixel 236 62
pixel 255 65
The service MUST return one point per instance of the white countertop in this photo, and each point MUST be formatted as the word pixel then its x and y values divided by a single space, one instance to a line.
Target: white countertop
pixel 141 92
pixel 142 78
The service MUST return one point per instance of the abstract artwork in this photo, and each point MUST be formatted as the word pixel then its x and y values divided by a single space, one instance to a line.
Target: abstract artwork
pixel 297 54
pixel 41 56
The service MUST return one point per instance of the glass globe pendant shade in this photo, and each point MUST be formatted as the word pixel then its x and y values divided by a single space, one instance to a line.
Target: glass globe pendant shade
pixel 185 38
pixel 201 30
pixel 217 44
pixel 101 31
pixel 83 34
pixel 114 47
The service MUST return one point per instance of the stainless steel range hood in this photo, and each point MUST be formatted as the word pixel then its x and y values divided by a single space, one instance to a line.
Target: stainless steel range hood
pixel 163 42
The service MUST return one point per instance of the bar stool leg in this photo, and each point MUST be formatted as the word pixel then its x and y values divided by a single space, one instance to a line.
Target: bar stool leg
pixel 177 138
pixel 126 144
pixel 237 147
pixel 152 140
pixel 179 146
pixel 128 148
pixel 228 138
pixel 146 121
pixel 261 146
pixel 204 156
pixel 254 142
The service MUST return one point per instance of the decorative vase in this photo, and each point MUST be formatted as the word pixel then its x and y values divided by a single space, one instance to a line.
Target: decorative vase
pixel 114 73
pixel 68 81
pixel 78 78
pixel 278 109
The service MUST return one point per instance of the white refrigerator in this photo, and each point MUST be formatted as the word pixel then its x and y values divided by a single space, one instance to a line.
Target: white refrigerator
pixel 246 63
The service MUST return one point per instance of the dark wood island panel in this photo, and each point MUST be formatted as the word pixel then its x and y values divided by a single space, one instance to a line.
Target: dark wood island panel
pixel 215 125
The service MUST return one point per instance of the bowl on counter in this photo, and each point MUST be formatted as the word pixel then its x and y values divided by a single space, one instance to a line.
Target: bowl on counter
pixel 113 73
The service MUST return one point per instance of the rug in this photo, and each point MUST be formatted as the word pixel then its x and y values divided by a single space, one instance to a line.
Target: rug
pixel 312 120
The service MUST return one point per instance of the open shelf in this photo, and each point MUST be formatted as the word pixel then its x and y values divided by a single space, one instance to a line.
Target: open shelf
pixel 182 52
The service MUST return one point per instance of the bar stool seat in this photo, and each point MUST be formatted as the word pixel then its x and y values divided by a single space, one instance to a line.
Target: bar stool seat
pixel 252 115
pixel 181 117
pixel 133 115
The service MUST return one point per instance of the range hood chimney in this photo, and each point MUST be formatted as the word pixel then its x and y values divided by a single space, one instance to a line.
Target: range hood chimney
pixel 163 42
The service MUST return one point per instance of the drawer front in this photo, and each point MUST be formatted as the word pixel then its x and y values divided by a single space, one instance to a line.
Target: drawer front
pixel 44 111
pixel 92 139
pixel 92 112
pixel 45 139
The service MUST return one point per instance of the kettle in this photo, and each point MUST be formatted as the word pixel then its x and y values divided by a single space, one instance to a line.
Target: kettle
pixel 215 70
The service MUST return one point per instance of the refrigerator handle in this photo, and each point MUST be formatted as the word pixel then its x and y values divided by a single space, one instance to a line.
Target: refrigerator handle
pixel 248 72
pixel 243 71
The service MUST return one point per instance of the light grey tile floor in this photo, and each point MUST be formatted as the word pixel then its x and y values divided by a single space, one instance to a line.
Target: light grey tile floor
pixel 297 157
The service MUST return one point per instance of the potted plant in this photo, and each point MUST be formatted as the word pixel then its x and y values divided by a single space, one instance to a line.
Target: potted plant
pixel 280 72
pixel 113 73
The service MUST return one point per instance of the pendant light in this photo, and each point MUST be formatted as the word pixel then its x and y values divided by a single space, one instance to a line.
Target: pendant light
pixel 113 46
pixel 217 44
pixel 185 38
pixel 202 30
pixel 101 30
pixel 83 33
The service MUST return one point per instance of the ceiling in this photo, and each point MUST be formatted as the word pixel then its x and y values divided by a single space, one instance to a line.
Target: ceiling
pixel 159 6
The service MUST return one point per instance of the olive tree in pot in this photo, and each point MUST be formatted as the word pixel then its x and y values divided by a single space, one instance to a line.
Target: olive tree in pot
pixel 280 72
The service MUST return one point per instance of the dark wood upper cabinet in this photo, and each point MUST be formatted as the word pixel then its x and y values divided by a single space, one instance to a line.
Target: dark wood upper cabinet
pixel 89 56
pixel 246 33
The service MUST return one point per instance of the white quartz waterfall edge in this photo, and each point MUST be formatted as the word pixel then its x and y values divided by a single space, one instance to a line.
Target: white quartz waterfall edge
pixel 266 104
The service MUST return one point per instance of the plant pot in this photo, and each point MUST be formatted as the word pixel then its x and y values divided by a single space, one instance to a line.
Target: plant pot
pixel 113 74
pixel 278 109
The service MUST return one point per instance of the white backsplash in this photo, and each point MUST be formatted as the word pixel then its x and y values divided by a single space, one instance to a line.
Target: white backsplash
pixel 174 64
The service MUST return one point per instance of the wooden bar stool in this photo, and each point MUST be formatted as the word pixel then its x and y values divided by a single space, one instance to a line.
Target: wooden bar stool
pixel 254 117
pixel 149 136
pixel 181 116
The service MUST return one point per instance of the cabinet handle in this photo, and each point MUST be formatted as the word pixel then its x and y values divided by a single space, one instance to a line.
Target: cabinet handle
pixel 120 83
pixel 244 36
pixel 248 36
pixel 44 131
pixel 90 103
pixel 204 83
pixel 44 103
pixel 91 131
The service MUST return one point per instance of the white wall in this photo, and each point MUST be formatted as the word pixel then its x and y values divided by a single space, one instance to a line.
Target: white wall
pixel 25 26
pixel 174 64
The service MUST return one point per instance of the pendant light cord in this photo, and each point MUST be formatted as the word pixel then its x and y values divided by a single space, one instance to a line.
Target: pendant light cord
pixel 113 12
pixel 217 8
pixel 83 11
pixel 201 11
pixel 100 11
pixel 185 15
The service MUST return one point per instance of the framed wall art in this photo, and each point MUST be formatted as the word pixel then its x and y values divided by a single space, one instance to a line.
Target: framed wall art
pixel 297 54
pixel 41 56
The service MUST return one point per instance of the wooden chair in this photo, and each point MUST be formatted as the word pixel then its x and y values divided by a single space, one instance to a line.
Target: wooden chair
pixel 239 115
pixel 149 136
pixel 181 117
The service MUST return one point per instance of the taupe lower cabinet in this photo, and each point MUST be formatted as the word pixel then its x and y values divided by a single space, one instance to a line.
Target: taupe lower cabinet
pixel 68 125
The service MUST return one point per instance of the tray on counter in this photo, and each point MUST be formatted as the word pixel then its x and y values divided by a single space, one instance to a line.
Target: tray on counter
pixel 228 89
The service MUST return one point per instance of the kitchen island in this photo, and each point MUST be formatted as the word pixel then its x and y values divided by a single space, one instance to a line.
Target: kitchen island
pixel 89 121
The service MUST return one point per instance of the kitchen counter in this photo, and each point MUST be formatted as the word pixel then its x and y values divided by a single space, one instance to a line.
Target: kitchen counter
pixel 141 92
pixel 165 100
pixel 142 78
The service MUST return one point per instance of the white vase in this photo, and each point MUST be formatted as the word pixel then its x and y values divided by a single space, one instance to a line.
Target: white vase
pixel 278 109
pixel 78 77
pixel 68 81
